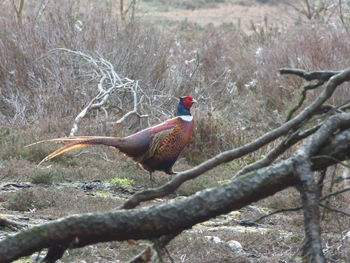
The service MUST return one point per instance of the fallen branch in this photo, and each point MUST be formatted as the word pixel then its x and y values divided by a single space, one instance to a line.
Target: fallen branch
pixel 312 249
pixel 322 135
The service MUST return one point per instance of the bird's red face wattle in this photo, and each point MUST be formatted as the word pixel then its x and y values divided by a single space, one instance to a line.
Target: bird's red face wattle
pixel 188 102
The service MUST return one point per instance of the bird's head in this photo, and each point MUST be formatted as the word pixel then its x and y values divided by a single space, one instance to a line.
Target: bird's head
pixel 185 105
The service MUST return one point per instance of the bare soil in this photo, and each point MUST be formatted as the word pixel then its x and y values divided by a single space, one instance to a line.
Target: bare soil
pixel 244 16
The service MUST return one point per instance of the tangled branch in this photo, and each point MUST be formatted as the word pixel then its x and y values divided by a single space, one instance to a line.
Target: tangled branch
pixel 109 82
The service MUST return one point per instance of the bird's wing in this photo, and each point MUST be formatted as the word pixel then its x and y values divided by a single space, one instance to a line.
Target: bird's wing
pixel 140 146
pixel 158 140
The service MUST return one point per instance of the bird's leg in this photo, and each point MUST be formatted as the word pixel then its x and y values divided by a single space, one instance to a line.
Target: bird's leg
pixel 151 177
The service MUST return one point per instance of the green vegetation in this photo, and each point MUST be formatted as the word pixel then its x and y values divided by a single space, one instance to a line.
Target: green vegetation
pixel 13 145
pixel 117 180
pixel 43 177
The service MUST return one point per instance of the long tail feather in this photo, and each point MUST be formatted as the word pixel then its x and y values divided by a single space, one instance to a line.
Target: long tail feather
pixel 62 150
pixel 70 139
pixel 78 142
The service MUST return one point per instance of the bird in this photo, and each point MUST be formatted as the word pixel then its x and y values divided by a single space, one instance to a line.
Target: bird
pixel 155 148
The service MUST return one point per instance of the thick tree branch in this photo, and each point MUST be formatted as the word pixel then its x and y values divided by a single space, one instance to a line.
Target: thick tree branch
pixel 314 75
pixel 312 250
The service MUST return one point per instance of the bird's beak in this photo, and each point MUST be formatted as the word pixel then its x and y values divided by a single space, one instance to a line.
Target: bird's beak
pixel 194 101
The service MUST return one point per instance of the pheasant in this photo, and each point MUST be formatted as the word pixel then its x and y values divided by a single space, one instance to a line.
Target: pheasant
pixel 154 148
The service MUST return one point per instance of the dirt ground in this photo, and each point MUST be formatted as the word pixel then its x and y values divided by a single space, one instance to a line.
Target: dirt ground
pixel 232 13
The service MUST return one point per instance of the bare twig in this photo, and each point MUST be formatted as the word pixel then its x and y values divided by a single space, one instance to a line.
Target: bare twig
pixel 197 66
pixel 303 97
pixel 145 256
pixel 294 109
pixel 41 9
pixel 331 158
pixel 277 151
pixel 335 210
pixel 293 209
pixel 283 210
pixel 108 77
pixel 135 103
pixel 334 193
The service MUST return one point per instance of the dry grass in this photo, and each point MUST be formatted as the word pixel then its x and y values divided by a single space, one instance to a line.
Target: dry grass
pixel 54 202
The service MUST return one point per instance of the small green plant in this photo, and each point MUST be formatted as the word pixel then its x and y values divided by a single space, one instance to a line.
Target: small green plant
pixel 224 181
pixel 117 180
pixel 43 177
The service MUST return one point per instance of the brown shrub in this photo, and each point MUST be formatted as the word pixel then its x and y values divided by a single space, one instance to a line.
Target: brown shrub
pixel 29 199
pixel 229 71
